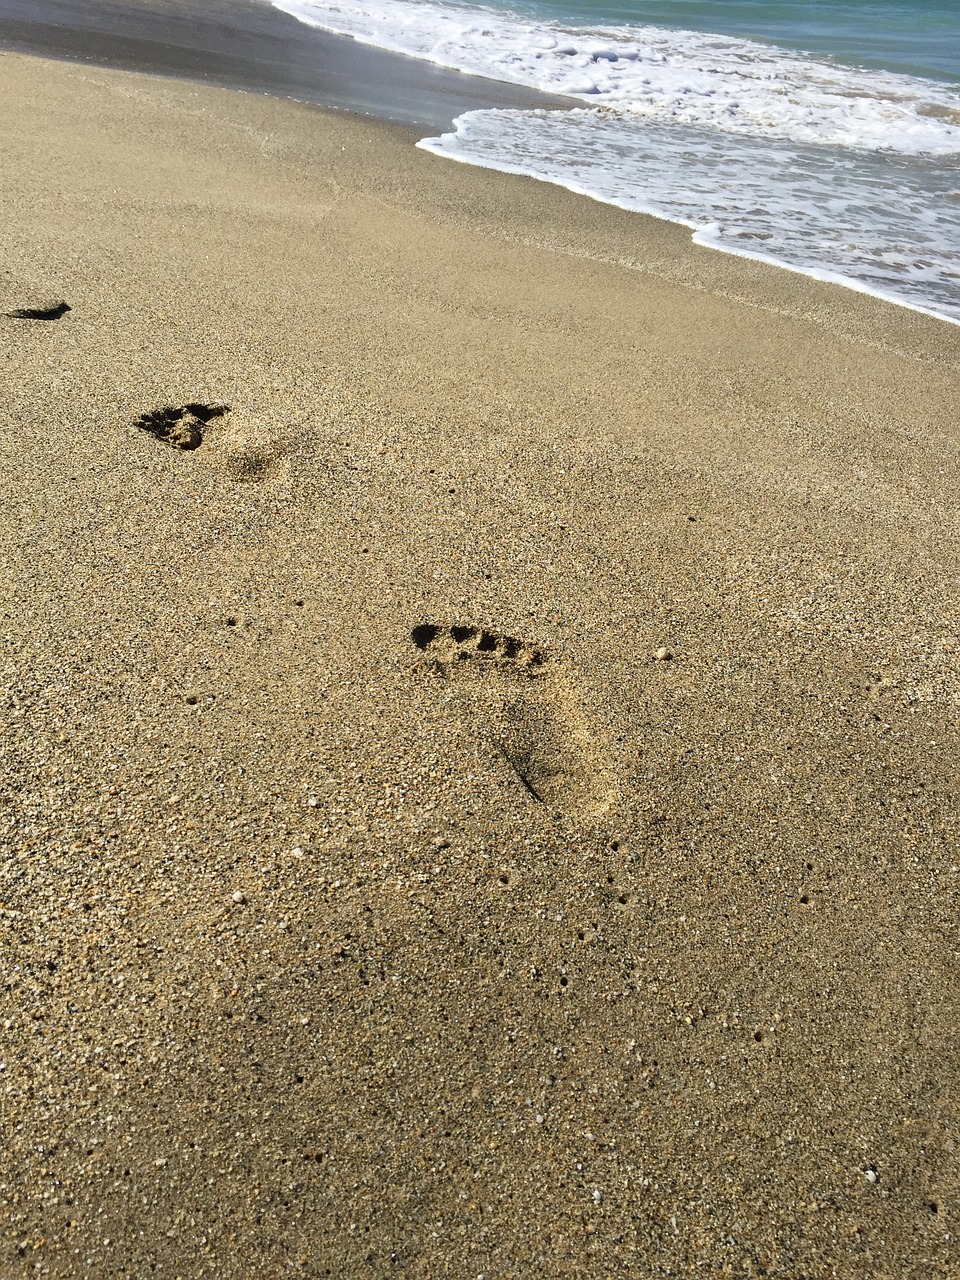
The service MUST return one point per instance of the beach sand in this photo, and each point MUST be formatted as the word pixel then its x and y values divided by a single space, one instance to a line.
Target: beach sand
pixel 490 808
pixel 247 44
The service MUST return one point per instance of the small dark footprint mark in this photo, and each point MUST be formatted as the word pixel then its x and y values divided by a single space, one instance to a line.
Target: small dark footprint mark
pixel 181 428
pixel 51 311
pixel 474 642
pixel 423 634
pixel 525 709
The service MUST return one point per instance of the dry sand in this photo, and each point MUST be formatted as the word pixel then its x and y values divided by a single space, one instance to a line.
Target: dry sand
pixel 340 943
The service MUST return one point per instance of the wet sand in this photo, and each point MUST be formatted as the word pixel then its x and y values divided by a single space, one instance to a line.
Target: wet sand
pixel 249 45
pixel 489 806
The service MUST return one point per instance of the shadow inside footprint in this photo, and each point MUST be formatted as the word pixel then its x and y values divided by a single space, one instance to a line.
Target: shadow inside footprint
pixel 181 428
pixel 49 311
pixel 526 710
pixel 245 449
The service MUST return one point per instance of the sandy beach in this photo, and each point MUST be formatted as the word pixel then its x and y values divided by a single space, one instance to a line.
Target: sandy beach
pixel 480 720
pixel 249 45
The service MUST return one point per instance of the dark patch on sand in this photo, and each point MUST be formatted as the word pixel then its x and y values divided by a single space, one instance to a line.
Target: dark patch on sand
pixel 181 428
pixel 48 311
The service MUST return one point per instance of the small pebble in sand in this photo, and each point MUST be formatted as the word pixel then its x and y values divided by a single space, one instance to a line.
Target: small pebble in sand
pixel 663 654
pixel 871 1175
pixel 237 896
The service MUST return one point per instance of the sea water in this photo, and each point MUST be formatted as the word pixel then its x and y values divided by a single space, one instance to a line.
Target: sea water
pixel 820 135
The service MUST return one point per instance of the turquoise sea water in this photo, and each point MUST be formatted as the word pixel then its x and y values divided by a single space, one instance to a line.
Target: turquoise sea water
pixel 916 37
pixel 820 135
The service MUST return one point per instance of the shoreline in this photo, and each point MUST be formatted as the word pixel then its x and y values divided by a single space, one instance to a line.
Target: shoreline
pixel 250 45
pixel 487 806
pixel 698 236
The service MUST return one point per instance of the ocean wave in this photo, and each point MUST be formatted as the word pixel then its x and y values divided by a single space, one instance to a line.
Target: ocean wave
pixel 687 78
pixel 878 223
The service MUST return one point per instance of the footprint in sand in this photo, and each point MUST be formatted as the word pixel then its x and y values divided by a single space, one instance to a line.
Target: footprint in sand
pixel 182 428
pixel 52 310
pixel 525 707
pixel 247 452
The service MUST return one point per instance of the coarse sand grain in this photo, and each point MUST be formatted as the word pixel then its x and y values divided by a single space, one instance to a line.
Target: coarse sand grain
pixel 480 715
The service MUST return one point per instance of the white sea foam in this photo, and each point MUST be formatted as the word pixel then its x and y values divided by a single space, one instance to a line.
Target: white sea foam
pixel 683 77
pixel 872 222
pixel 843 173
